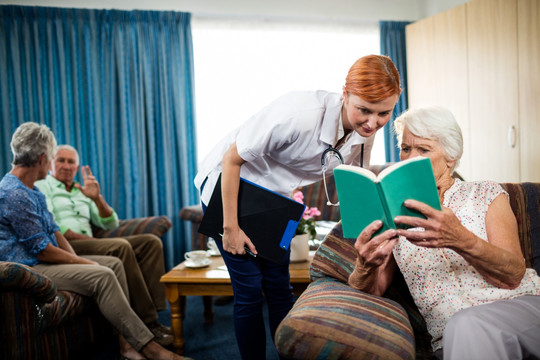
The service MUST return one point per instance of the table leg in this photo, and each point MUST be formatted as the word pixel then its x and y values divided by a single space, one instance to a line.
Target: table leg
pixel 178 313
pixel 208 311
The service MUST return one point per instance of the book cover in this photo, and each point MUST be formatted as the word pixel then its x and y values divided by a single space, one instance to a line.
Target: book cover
pixel 269 219
pixel 365 197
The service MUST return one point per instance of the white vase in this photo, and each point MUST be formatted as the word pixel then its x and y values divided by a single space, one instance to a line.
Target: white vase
pixel 300 248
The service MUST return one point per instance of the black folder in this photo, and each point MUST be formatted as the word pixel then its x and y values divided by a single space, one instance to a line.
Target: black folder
pixel 269 219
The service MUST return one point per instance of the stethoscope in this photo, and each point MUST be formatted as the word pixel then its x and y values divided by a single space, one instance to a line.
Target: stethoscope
pixel 325 158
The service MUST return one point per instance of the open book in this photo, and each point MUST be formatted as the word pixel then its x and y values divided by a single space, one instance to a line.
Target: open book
pixel 364 197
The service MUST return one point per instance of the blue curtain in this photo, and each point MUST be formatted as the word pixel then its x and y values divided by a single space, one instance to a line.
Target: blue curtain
pixel 393 45
pixel 117 85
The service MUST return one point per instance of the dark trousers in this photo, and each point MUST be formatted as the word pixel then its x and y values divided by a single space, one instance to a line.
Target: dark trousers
pixel 253 279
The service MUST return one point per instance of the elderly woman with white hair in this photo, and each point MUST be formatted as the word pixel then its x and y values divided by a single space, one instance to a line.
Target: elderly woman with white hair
pixel 28 235
pixel 463 265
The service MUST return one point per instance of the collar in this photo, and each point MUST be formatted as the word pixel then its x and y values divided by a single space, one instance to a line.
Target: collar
pixel 341 129
pixel 331 131
pixel 330 128
pixel 58 184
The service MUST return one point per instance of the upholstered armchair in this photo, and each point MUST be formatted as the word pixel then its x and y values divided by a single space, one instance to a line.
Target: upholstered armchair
pixel 39 322
pixel 331 320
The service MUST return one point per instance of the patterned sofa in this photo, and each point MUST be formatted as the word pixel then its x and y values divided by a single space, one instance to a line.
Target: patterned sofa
pixel 330 320
pixel 39 322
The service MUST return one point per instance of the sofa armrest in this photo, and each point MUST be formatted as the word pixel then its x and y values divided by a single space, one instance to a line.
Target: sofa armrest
pixel 525 203
pixel 22 278
pixel 335 257
pixel 332 320
pixel 157 225
pixel 335 260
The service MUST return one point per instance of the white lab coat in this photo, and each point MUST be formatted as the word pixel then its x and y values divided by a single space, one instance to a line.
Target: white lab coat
pixel 283 143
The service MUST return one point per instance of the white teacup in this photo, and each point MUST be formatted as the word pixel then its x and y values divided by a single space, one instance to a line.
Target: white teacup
pixel 197 256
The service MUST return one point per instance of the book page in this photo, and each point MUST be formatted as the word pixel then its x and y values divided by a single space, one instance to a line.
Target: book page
pixel 359 200
pixel 396 166
pixel 357 169
pixel 412 180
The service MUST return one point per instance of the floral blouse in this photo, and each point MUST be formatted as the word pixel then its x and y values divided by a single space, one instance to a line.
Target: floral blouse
pixel 442 282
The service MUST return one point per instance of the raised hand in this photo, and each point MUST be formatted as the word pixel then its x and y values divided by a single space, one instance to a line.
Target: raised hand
pixel 90 187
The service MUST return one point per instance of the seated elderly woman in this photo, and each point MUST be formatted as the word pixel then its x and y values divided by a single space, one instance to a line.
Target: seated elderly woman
pixel 463 265
pixel 28 235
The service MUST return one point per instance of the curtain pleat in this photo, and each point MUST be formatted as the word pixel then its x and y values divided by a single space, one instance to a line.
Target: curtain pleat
pixel 118 86
pixel 393 45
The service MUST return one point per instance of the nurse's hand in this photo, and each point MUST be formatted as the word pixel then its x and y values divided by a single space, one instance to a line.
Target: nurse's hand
pixel 234 241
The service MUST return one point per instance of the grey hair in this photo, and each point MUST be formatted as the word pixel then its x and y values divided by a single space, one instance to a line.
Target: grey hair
pixel 29 141
pixel 434 123
pixel 71 148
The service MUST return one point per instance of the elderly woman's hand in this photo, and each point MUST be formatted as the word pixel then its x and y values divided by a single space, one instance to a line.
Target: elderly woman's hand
pixel 375 264
pixel 442 229
pixel 373 252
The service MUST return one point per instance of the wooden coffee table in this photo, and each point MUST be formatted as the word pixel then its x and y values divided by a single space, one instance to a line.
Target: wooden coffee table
pixel 209 281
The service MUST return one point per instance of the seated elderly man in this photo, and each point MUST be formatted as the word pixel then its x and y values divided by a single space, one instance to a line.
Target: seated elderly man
pixel 77 207
pixel 463 265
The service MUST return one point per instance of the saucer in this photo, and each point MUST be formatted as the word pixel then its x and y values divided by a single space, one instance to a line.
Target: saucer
pixel 213 253
pixel 193 265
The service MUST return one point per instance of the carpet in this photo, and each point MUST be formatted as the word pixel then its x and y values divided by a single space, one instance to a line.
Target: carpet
pixel 216 340
pixel 204 341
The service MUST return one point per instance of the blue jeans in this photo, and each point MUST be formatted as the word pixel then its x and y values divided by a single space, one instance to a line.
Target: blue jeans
pixel 254 278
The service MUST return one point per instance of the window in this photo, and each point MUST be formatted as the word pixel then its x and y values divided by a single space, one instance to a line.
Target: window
pixel 242 65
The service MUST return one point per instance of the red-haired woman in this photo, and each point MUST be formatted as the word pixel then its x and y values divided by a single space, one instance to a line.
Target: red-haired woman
pixel 280 148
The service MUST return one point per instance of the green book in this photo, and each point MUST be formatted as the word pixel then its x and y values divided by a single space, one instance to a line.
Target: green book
pixel 364 197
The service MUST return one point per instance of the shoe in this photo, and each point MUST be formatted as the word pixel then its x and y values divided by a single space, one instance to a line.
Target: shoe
pixel 162 334
pixel 156 326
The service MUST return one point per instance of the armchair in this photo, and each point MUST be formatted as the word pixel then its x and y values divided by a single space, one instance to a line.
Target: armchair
pixel 332 320
pixel 39 322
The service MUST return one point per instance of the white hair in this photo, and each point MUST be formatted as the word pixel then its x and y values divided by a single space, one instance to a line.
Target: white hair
pixel 29 142
pixel 433 123
pixel 71 148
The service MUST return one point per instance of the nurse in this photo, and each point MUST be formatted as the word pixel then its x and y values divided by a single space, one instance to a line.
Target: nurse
pixel 280 148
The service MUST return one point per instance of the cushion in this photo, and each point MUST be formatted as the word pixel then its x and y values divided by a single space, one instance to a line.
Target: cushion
pixel 193 213
pixel 157 225
pixel 331 320
pixel 19 277
pixel 335 257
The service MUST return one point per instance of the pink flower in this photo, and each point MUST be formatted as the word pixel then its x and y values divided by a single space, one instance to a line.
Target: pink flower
pixel 314 212
pixel 307 223
pixel 298 196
